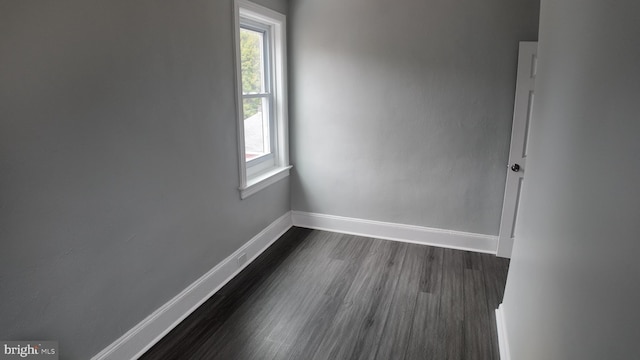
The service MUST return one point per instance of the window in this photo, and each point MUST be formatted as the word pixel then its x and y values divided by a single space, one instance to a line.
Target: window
pixel 261 96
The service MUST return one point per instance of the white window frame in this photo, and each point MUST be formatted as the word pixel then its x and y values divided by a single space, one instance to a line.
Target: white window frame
pixel 257 175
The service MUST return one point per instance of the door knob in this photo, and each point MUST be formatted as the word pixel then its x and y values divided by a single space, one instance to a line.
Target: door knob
pixel 515 168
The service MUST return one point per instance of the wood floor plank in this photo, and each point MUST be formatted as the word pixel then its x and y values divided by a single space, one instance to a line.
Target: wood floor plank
pixel 321 319
pixel 283 305
pixel 313 334
pixel 349 247
pixel 358 325
pixel 494 286
pixel 477 340
pixel 451 312
pixel 321 295
pixel 353 250
pixel 294 308
pixel 472 260
pixel 395 336
pixel 194 331
pixel 493 279
pixel 267 350
pixel 503 264
pixel 423 340
pixel 431 277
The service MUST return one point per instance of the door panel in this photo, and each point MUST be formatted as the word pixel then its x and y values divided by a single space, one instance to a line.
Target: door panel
pixel 516 169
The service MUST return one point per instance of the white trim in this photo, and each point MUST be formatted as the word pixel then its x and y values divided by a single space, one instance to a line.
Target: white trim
pixel 398 232
pixel 149 331
pixel 503 342
pixel 242 169
pixel 145 334
pixel 262 181
pixel 278 31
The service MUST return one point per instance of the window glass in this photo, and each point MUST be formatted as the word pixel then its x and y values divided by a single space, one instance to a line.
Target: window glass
pixel 256 96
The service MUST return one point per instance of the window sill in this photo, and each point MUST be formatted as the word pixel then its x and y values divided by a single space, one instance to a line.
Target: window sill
pixel 262 181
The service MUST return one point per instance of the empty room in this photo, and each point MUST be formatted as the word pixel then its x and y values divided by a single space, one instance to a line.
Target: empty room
pixel 319 179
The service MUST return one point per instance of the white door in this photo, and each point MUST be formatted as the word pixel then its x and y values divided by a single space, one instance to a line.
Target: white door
pixel 522 117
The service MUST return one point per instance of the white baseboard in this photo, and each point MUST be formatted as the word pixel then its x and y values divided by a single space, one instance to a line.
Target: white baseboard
pixel 149 331
pixel 141 337
pixel 505 354
pixel 398 232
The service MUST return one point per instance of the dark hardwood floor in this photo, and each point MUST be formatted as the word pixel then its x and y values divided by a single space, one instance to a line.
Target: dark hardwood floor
pixel 322 295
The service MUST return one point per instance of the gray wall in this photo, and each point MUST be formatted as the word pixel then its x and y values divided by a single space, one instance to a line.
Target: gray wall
pixel 401 110
pixel 118 163
pixel 574 284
